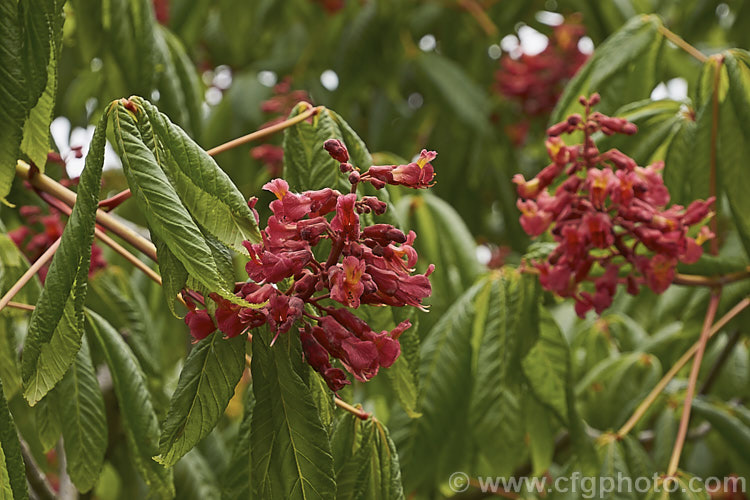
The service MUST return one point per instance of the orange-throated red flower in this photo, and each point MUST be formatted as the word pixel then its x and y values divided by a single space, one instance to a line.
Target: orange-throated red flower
pixel 372 265
pixel 607 215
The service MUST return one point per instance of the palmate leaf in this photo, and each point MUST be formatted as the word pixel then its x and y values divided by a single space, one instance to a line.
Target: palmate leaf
pixel 12 471
pixel 291 454
pixel 83 421
pixel 365 460
pixel 206 385
pixel 167 216
pixel 56 325
pixel 139 419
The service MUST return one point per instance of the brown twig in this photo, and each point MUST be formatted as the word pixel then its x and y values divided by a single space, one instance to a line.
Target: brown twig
pixel 361 414
pixel 55 189
pixel 659 387
pixel 681 43
pixel 713 305
pixel 264 132
pixel 29 274
pixel 18 305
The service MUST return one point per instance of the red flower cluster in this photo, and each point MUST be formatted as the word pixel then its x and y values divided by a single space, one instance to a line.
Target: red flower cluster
pixel 331 6
pixel 280 104
pixel 40 232
pixel 537 81
pixel 607 213
pixel 365 265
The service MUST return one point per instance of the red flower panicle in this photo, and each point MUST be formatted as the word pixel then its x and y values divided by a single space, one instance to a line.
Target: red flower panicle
pixel 536 81
pixel 608 216
pixel 371 265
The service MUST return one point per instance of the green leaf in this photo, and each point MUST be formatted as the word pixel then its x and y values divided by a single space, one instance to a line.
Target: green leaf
pixel 433 443
pixel 290 450
pixel 48 421
pixel 167 217
pixel 731 428
pixel 84 423
pixel 206 385
pixel 173 274
pixel 237 478
pixel 540 433
pixel 365 460
pixel 467 99
pixel 404 384
pixel 139 419
pixel 26 31
pixel 307 165
pixel 51 344
pixel 12 469
pixel 610 70
pixel 547 367
pixel 10 370
pixel 206 191
pixel 194 478
pixel 36 133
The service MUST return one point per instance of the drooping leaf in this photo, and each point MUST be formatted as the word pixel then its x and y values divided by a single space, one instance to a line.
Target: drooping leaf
pixel 26 31
pixel 167 216
pixel 366 461
pixel 36 133
pixel 12 469
pixel 83 421
pixel 732 429
pixel 207 381
pixel 56 325
pixel 195 479
pixel 468 100
pixel 237 477
pixel 139 419
pixel 206 191
pixel 434 442
pixel 47 420
pixel 290 450
pixel 547 367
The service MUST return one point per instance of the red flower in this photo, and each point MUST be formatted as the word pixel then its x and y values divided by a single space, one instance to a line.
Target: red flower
pixel 603 214
pixel 371 265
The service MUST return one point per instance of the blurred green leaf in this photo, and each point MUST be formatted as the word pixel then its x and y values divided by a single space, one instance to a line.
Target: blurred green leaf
pixel 12 470
pixel 139 420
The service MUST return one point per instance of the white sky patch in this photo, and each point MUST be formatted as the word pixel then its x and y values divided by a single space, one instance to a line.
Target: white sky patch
pixel 65 140
pixel 484 254
pixel 213 96
pixel 511 45
pixel 532 42
pixel 223 77
pixel 267 78
pixel 427 43
pixel 675 89
pixel 586 45
pixel 549 18
pixel 329 79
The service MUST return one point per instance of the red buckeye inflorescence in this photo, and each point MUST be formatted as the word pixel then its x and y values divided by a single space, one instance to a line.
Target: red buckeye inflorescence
pixel 608 216
pixel 537 81
pixel 372 265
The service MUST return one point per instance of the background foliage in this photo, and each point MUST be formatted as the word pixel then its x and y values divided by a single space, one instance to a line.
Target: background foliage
pixel 109 396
